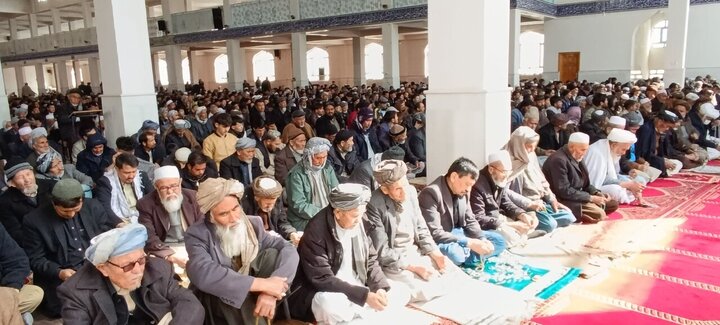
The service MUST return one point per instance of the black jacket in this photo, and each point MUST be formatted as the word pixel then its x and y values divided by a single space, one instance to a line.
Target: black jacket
pixel 343 165
pixel 569 180
pixel 647 146
pixel 593 131
pixel 90 298
pixel 547 138
pixel 14 264
pixel 488 202
pixel 103 191
pixel 93 166
pixel 191 183
pixel 416 143
pixel 702 129
pixel 15 206
pixel 361 147
pixel 230 168
pixel 158 154
pixel 320 258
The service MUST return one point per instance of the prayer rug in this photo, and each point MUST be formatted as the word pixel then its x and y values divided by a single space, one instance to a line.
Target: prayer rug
pixel 663 261
pixel 532 281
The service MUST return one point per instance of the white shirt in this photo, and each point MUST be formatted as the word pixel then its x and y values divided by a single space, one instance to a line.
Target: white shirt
pixel 346 271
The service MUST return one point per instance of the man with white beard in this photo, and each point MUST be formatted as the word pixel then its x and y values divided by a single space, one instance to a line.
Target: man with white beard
pixel 121 285
pixel 238 271
pixel 167 213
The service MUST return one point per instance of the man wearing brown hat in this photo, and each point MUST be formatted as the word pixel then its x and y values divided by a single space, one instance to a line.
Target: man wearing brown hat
pixel 289 156
pixel 553 135
pixel 56 235
pixel 263 202
pixel 239 272
pixel 297 123
pixel 398 137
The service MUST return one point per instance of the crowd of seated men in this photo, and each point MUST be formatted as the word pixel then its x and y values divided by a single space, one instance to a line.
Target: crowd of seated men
pixel 299 201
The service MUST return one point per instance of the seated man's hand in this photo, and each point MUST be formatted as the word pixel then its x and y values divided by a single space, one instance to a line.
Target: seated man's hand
pixel 537 205
pixel 439 260
pixel 521 227
pixel 66 274
pixel 597 199
pixel 549 152
pixel 481 246
pixel 181 261
pixel 295 238
pixel 633 173
pixel 275 286
pixel 420 271
pixel 633 186
pixel 669 164
pixel 265 306
pixel 529 218
pixel 377 300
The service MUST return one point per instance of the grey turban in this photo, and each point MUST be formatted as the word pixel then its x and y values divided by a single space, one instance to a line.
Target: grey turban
pixel 115 242
pixel 317 145
pixel 44 161
pixel 389 171
pixel 349 196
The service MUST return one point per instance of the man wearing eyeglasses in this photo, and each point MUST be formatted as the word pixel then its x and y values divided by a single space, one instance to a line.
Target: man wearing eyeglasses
pixel 167 212
pixel 238 271
pixel 121 285
pixel 492 205
pixel 56 236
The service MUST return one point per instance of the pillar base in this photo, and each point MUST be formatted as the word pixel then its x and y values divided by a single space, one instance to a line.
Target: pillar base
pixel 514 79
pixel 125 114
pixel 465 123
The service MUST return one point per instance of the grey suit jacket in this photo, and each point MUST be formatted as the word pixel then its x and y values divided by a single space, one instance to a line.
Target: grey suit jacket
pixel 363 175
pixel 210 271
pixel 381 227
pixel 437 209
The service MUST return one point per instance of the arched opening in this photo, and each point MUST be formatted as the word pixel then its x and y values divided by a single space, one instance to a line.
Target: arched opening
pixel 186 70
pixel 318 64
pixel 374 62
pixel 264 66
pixel 162 71
pixel 221 68
pixel 532 47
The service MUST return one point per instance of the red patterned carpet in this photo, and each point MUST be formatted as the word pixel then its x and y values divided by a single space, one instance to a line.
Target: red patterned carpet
pixel 671 274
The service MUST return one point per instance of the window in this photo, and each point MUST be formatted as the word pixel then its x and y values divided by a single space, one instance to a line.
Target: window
pixel 162 71
pixel 221 68
pixel 532 47
pixel 264 66
pixel 635 74
pixel 427 66
pixel 656 73
pixel 374 62
pixel 658 35
pixel 186 70
pixel 318 64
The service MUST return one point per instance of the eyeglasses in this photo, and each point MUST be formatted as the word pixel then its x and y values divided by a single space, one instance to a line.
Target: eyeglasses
pixel 131 266
pixel 168 188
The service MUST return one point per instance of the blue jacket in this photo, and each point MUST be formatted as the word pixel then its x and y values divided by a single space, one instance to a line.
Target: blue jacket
pixel 14 264
pixel 647 148
pixel 361 147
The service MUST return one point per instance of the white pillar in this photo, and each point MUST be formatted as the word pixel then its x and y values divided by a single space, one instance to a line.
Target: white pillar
pixel 194 70
pixel 469 90
pixel 299 59
pixel 40 75
pixel 33 25
pixel 76 68
pixel 237 70
pixel 94 67
pixel 4 105
pixel 358 44
pixel 56 21
pixel 676 49
pixel 156 71
pixel 514 66
pixel 61 73
pixel 13 28
pixel 391 54
pixel 20 78
pixel 87 12
pixel 128 93
pixel 173 59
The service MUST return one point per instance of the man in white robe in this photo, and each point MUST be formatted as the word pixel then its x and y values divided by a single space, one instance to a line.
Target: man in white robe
pixel 603 164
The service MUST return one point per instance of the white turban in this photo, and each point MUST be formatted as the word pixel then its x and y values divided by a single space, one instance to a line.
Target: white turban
pixel 165 172
pixel 617 121
pixel 24 131
pixel 502 156
pixel 622 136
pixel 709 111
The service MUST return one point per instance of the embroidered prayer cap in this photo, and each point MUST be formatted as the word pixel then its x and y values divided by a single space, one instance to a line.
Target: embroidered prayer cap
pixel 37 133
pixel 181 124
pixel 692 97
pixel 667 116
pixel 266 187
pixel 621 136
pixel 116 242
pixel 389 171
pixel 200 109
pixel 394 152
pixel 501 156
pixel 245 143
pixel 617 121
pixel 67 189
pixel 349 196
pixel 149 125
pixel 633 119
pixel 166 172
pixel 213 190
pixel 579 137
pixel 396 130
pixel 644 100
pixel 624 97
pixel 182 154
pixel 599 115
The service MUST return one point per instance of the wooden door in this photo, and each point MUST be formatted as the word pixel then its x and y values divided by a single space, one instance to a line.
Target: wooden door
pixel 568 65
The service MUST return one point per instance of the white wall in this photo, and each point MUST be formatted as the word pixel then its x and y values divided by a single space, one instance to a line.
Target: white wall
pixel 609 46
pixel 10 80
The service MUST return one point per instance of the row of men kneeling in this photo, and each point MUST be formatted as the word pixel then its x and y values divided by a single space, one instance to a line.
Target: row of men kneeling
pixel 361 258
